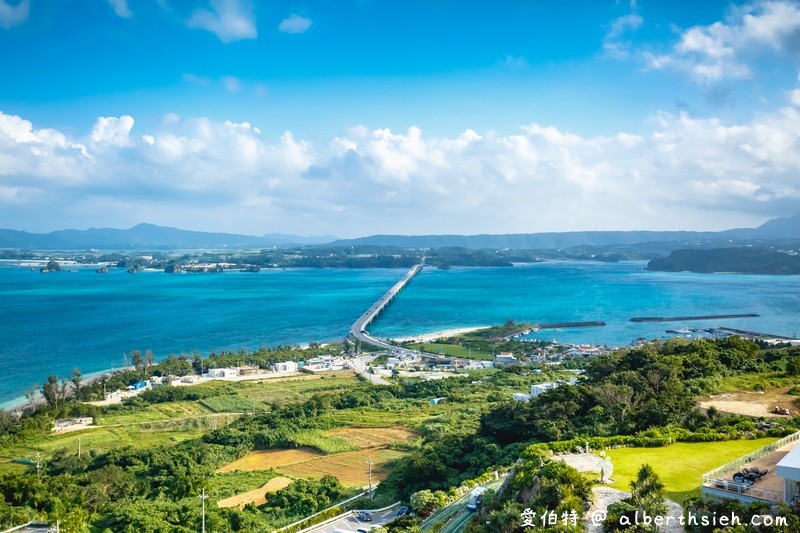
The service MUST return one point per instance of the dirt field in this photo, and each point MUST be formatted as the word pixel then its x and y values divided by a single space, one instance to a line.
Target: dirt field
pixel 373 437
pixel 351 468
pixel 752 403
pixel 255 496
pixel 266 459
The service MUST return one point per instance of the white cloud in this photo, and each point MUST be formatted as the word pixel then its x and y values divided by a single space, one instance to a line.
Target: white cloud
pixel 294 24
pixel 121 8
pixel 13 15
pixel 614 43
pixel 232 84
pixel 230 20
pixel 112 130
pixel 722 50
pixel 686 172
pixel 515 62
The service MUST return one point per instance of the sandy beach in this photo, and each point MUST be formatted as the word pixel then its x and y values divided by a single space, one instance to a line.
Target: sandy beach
pixel 427 337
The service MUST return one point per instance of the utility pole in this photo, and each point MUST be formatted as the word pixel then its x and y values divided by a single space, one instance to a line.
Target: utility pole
pixel 79 447
pixel 38 462
pixel 369 462
pixel 203 499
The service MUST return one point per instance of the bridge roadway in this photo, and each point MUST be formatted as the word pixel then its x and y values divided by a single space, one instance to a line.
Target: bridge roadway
pixel 358 329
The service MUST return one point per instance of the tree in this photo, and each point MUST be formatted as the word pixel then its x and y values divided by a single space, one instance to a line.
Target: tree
pixel 793 366
pixel 138 362
pixel 647 492
pixel 423 502
pixel 148 361
pixel 51 391
pixel 77 385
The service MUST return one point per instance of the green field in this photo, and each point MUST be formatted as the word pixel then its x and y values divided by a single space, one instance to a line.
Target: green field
pixel 453 350
pixel 235 403
pixel 681 465
pixel 104 439
pixel 299 388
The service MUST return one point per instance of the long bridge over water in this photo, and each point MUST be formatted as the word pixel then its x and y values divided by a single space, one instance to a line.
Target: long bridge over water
pixel 358 329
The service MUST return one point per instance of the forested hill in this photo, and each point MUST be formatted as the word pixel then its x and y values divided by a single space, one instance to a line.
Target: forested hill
pixel 740 260
pixel 775 229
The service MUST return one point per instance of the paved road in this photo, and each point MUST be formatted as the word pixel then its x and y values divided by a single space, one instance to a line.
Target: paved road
pixel 359 364
pixel 351 523
pixel 357 330
pixel 456 514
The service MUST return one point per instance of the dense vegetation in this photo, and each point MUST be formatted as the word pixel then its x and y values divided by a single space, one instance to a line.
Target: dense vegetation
pixel 641 396
pixel 742 260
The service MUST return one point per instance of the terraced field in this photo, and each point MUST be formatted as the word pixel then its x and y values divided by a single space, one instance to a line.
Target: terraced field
pixel 269 459
pixel 351 468
pixel 373 437
pixel 255 496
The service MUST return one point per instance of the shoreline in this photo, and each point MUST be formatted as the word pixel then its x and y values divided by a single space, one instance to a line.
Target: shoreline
pixel 433 335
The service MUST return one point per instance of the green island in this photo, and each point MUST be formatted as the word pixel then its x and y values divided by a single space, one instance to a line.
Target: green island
pixel 741 260
pixel 269 453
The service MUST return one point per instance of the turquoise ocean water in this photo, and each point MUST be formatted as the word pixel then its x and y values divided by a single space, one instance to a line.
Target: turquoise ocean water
pixel 52 323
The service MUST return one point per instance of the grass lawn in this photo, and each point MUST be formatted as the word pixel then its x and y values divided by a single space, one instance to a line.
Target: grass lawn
pixel 454 350
pixel 681 465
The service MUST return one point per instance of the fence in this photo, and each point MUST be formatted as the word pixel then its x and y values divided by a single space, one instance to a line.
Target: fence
pixel 716 481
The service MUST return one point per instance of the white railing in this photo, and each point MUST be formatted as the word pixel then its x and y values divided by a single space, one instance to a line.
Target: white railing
pixel 727 488
pixel 737 464
pixel 715 479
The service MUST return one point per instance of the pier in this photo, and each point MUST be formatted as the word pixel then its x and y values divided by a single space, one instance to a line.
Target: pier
pixel 684 318
pixel 358 329
pixel 560 325
pixel 755 334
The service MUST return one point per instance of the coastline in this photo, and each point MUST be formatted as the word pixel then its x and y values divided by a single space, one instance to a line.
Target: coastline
pixel 433 335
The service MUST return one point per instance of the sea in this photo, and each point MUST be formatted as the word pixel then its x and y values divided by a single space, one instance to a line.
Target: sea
pixel 51 323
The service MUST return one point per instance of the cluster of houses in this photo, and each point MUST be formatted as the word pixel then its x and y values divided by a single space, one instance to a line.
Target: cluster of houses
pixel 238 373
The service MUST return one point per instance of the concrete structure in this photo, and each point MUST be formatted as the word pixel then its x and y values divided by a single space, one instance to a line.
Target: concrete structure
pixel 69 424
pixel 505 359
pixel 358 329
pixel 287 366
pixel 522 397
pixel 788 468
pixel 538 389
pixel 782 461
pixel 249 370
pixel 222 373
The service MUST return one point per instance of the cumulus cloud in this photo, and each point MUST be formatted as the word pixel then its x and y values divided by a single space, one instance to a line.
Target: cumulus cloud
pixel 121 8
pixel 721 50
pixel 294 24
pixel 13 15
pixel 112 130
pixel 230 20
pixel 686 172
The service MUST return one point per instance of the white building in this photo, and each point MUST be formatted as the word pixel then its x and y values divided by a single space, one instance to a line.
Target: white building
pixel 536 390
pixel 505 359
pixel 287 366
pixel 222 372
pixel 522 397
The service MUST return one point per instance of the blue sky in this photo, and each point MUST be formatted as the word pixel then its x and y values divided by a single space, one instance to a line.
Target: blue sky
pixel 357 117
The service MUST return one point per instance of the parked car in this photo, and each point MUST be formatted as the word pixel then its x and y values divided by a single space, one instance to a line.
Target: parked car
pixel 365 516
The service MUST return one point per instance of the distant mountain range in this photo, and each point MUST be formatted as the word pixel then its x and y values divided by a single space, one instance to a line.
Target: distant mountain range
pixel 146 237
pixel 149 236
pixel 785 228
